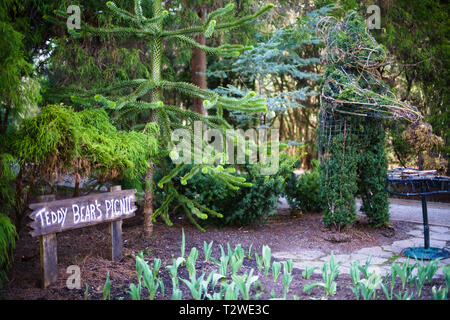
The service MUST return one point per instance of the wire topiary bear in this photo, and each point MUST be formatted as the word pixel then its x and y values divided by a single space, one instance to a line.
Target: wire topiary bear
pixel 355 101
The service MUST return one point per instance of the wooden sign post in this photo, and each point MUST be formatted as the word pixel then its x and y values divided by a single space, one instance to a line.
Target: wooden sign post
pixel 115 234
pixel 47 249
pixel 50 217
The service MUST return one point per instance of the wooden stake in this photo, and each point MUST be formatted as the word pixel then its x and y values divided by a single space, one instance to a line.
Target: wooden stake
pixel 48 252
pixel 115 234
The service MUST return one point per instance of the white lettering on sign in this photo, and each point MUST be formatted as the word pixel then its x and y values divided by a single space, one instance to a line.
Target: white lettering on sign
pixel 85 213
pixel 118 207
pixel 49 218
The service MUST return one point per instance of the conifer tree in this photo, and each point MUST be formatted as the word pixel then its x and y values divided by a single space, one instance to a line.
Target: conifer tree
pixel 130 96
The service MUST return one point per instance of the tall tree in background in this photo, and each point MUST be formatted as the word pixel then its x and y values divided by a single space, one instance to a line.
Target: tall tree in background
pixel 198 11
pixel 19 91
pixel 282 67
pixel 199 63
pixel 416 32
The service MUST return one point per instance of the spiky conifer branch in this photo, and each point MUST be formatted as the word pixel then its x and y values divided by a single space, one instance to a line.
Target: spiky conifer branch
pixel 170 117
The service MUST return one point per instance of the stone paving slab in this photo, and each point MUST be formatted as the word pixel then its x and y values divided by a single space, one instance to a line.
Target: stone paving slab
pixel 374 260
pixel 440 236
pixel 407 210
pixel 374 251
pixel 438 229
pixel 382 257
pixel 302 265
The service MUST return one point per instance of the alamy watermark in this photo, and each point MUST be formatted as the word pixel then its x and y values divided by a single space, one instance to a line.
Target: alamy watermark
pixel 74 20
pixel 74 279
pixel 374 20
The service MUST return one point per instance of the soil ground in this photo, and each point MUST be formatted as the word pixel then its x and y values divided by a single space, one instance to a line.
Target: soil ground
pixel 87 248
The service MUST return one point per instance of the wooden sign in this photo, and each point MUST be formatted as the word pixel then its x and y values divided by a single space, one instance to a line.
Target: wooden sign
pixel 56 216
pixel 50 217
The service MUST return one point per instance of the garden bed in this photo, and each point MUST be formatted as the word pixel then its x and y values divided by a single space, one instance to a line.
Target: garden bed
pixel 87 248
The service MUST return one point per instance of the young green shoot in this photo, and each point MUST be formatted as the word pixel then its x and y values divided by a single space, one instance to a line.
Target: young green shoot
pixel 183 243
pixel 330 271
pixel 86 291
pixel 244 283
pixel 287 276
pixel 307 273
pixel 107 288
pixel 135 291
pixel 190 263
pixel 368 286
pixel 266 256
pixel 439 294
pixel 259 262
pixel 276 270
pixel 249 252
pixel 207 250
pixel 223 268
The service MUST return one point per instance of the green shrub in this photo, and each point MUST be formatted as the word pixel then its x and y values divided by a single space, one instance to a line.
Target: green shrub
pixel 244 206
pixel 60 140
pixel 338 181
pixel 7 229
pixel 303 192
pixel 7 243
pixel 7 176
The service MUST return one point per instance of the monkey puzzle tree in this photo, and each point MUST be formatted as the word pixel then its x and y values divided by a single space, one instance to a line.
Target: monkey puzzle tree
pixel 138 95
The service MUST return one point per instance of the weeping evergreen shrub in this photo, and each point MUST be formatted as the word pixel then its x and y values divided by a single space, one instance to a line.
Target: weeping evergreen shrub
pixel 62 141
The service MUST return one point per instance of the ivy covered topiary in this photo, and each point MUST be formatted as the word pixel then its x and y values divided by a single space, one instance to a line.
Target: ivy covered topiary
pixel 354 101
pixel 338 181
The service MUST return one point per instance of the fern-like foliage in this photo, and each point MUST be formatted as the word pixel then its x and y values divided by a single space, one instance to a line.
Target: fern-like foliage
pixel 7 243
pixel 60 140
pixel 7 229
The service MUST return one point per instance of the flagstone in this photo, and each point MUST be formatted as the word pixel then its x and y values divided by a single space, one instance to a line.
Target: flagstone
pixel 374 251
pixel 440 236
pixel 439 229
pixel 362 258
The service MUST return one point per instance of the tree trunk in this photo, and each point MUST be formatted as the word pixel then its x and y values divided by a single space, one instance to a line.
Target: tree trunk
pixel 148 203
pixel 198 66
pixel 156 63
pixel 76 191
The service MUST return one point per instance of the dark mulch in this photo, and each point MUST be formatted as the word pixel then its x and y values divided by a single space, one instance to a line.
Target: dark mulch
pixel 87 248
